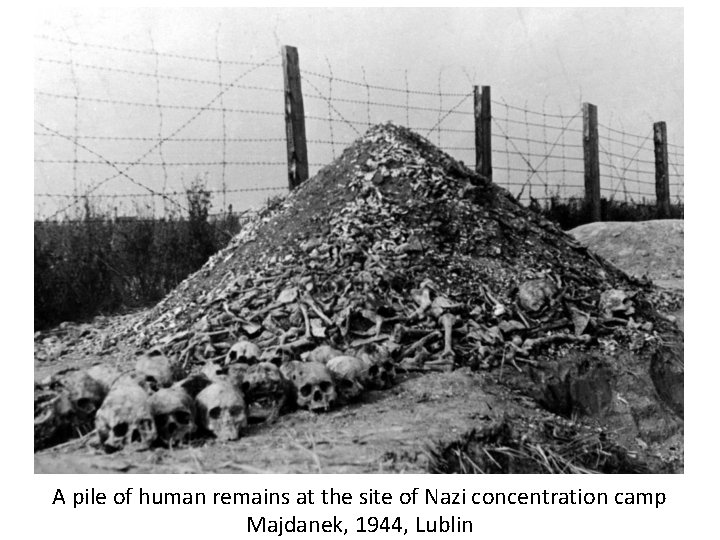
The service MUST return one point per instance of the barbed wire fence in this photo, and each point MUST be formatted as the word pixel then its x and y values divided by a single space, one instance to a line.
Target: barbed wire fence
pixel 120 159
pixel 133 152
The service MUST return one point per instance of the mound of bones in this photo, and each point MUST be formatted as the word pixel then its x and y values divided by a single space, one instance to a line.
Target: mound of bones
pixel 395 258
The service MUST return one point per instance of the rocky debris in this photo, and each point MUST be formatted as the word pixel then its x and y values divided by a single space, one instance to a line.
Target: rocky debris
pixel 403 260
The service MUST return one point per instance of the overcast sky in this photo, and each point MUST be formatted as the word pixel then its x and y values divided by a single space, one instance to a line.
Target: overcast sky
pixel 629 62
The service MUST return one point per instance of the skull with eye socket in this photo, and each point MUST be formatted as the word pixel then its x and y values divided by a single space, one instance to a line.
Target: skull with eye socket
pixel 124 420
pixel 350 376
pixel 222 410
pixel 381 372
pixel 243 352
pixel 174 412
pixel 86 395
pixel 232 373
pixel 155 370
pixel 313 386
pixel 266 392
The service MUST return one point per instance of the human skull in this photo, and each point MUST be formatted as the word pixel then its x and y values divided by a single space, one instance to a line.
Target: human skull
pixel 323 354
pixel 232 373
pixel 276 355
pixel 222 410
pixel 381 374
pixel 155 369
pixel 193 384
pixel 350 375
pixel 380 367
pixel 86 395
pixel 124 420
pixel 535 294
pixel 266 390
pixel 313 384
pixel 174 412
pixel 105 374
pixel 243 352
pixel 615 301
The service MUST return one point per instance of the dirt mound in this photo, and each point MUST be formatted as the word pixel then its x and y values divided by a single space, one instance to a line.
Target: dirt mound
pixel 397 251
pixel 653 249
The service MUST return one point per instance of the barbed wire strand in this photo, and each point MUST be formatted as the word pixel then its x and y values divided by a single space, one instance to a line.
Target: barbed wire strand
pixel 174 132
pixel 146 52
pixel 121 172
pixel 459 103
pixel 348 122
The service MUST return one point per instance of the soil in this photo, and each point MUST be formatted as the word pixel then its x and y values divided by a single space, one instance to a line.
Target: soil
pixel 607 402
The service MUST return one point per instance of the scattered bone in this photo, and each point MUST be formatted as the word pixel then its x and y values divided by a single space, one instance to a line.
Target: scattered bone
pixel 420 343
pixel 306 320
pixel 448 320
pixel 422 298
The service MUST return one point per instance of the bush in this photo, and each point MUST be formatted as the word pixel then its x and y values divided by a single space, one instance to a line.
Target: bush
pixel 101 265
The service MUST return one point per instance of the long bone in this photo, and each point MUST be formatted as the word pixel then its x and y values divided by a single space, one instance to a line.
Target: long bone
pixel 420 343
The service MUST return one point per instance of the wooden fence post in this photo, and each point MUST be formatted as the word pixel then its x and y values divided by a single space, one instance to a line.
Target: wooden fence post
pixel 662 178
pixel 294 118
pixel 483 131
pixel 591 157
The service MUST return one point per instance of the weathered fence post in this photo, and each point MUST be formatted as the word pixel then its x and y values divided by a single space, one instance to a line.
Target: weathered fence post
pixel 662 178
pixel 591 155
pixel 294 118
pixel 483 132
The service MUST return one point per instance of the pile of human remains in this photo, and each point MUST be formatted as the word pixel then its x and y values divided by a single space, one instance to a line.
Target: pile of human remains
pixel 395 257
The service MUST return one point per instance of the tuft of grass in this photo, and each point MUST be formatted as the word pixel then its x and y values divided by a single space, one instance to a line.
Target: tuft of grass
pixel 510 445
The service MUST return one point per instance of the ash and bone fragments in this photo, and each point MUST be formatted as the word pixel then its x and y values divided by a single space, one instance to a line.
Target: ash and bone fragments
pixel 393 259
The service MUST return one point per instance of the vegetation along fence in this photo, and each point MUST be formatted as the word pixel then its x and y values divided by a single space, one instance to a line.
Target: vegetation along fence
pixel 109 140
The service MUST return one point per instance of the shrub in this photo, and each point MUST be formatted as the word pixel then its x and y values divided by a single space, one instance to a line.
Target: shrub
pixel 101 265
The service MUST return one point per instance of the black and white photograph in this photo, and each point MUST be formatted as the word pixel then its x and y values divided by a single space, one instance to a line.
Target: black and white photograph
pixel 358 240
